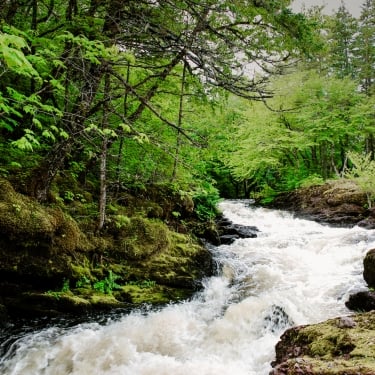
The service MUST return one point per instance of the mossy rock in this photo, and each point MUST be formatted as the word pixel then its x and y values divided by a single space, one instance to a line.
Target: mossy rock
pixel 100 301
pixel 37 244
pixel 40 247
pixel 48 304
pixel 139 294
pixel 182 264
pixel 28 224
pixel 142 238
pixel 338 346
pixel 20 216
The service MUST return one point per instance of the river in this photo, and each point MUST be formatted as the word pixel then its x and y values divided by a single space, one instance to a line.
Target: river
pixel 295 272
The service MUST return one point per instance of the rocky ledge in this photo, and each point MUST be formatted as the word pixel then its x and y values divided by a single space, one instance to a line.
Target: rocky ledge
pixel 338 202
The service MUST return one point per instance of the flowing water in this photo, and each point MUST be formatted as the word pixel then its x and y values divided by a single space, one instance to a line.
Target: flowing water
pixel 295 272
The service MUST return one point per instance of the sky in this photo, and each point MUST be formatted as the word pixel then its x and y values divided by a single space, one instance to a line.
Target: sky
pixel 353 6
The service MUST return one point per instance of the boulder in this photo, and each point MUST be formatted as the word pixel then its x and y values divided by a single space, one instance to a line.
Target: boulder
pixel 361 301
pixel 340 346
pixel 369 268
pixel 228 232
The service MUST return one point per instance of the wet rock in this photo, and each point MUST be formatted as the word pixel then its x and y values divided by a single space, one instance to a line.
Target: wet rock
pixel 277 319
pixel 228 232
pixel 369 268
pixel 361 301
pixel 242 231
pixel 3 315
pixel 227 239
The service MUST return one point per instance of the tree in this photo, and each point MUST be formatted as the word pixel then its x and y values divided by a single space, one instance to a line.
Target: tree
pixel 280 149
pixel 343 29
pixel 365 47
pixel 90 54
pixel 363 174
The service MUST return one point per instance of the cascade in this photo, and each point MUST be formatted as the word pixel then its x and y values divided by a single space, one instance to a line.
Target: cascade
pixel 295 272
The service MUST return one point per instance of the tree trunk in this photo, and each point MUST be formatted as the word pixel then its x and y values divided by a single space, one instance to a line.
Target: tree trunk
pixel 179 123
pixel 103 184
pixel 103 159
pixel 121 145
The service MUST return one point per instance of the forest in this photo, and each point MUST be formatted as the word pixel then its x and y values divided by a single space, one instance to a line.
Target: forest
pixel 123 127
pixel 208 99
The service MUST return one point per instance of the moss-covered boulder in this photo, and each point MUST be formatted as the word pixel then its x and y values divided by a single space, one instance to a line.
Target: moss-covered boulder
pixel 340 346
pixel 49 265
pixel 37 244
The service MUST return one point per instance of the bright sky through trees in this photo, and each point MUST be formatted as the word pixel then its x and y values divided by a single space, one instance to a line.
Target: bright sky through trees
pixel 330 6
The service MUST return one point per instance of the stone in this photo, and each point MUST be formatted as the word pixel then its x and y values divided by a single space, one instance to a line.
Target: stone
pixel 339 203
pixel 346 322
pixel 339 346
pixel 228 232
pixel 369 268
pixel 361 301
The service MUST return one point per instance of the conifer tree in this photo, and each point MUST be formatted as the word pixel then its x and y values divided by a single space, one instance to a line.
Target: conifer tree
pixel 365 47
pixel 343 29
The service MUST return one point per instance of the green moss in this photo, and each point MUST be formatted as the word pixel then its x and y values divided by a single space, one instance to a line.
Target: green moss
pixel 142 237
pixel 154 295
pixel 44 245
pixel 32 225
pixel 330 344
pixel 81 271
pixel 330 349
pixel 99 300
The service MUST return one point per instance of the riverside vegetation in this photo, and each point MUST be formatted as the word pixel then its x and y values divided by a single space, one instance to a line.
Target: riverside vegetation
pixel 52 263
pixel 123 123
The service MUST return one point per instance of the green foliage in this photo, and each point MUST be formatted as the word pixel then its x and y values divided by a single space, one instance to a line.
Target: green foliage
pixel 81 105
pixel 206 198
pixel 64 289
pixel 285 149
pixel 66 286
pixel 363 174
pixel 311 180
pixel 12 49
pixel 121 221
pixel 108 284
pixel 82 282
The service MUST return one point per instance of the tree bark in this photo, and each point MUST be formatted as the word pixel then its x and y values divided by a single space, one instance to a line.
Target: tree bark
pixel 103 159
pixel 179 123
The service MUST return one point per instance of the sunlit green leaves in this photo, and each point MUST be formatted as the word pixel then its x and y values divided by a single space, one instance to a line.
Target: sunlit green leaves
pixel 363 174
pixel 14 59
pixel 28 142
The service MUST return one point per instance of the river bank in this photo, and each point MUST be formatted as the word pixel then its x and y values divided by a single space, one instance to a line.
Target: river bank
pixel 52 261
pixel 338 202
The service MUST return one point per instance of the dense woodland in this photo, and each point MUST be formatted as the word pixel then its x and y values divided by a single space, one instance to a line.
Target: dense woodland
pixel 210 98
